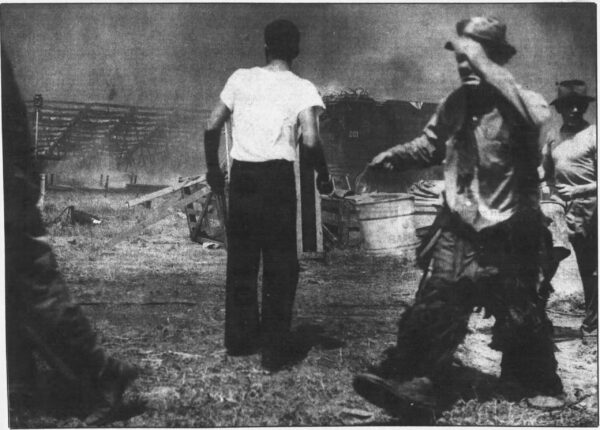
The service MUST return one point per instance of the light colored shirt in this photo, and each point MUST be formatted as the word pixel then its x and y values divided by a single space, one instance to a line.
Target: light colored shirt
pixel 490 157
pixel 265 105
pixel 573 156
pixel 571 159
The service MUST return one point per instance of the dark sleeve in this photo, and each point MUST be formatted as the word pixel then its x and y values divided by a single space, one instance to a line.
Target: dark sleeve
pixel 428 148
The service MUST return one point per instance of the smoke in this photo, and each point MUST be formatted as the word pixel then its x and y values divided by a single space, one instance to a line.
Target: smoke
pixel 181 54
pixel 167 54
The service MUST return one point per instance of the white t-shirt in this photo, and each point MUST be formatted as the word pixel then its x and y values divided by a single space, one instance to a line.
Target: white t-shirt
pixel 265 105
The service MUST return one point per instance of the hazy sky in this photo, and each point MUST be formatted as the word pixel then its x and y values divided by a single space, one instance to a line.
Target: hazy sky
pixel 182 54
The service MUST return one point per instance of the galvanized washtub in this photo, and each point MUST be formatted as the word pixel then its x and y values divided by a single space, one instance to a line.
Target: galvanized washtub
pixel 387 224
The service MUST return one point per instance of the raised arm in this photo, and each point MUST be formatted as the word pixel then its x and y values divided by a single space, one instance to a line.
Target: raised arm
pixel 502 80
pixel 311 139
pixel 426 150
pixel 212 137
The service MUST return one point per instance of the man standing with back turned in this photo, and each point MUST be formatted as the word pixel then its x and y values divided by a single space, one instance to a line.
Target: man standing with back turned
pixel 270 107
pixel 490 248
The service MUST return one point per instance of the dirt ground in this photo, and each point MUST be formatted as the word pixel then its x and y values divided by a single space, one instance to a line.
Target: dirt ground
pixel 157 300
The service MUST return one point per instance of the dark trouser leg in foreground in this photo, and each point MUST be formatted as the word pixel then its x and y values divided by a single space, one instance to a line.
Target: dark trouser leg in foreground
pixel 38 303
pixel 586 252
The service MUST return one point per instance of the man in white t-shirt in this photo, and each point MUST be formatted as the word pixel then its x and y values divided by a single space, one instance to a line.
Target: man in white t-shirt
pixel 270 108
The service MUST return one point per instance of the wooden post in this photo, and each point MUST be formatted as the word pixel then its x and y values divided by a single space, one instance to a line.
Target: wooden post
pixel 101 179
pixel 37 123
pixel 228 140
pixel 299 242
pixel 38 103
pixel 318 220
pixel 51 178
pixel 106 185
pixel 40 203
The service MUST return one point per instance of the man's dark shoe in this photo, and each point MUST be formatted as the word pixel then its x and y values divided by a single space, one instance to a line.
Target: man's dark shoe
pixel 273 361
pixel 110 385
pixel 397 398
pixel 242 351
pixel 276 359
pixel 282 356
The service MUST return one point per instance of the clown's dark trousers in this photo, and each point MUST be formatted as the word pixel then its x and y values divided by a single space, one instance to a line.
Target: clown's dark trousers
pixel 499 269
pixel 586 251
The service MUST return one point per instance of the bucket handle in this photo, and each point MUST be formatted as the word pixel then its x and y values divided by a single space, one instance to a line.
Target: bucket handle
pixel 361 185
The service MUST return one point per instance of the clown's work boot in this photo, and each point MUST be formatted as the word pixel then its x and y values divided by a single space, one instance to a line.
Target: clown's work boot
pixel 401 399
pixel 109 387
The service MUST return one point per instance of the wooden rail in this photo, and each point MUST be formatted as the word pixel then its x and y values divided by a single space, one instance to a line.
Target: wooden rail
pixel 168 190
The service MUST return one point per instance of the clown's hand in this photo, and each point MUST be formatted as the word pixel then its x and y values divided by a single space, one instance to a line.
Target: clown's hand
pixel 382 161
pixel 468 47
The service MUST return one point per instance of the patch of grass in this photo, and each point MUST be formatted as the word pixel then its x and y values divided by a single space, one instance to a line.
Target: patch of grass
pixel 157 300
pixel 500 412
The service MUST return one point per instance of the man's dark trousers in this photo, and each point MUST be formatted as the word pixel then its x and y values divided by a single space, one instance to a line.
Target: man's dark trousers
pixel 586 252
pixel 498 269
pixel 262 221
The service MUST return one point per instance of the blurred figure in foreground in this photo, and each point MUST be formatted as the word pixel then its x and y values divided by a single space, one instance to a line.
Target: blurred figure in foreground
pixel 40 315
pixel 571 169
pixel 489 247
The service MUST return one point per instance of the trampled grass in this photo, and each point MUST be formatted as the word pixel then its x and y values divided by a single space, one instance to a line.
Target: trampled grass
pixel 157 300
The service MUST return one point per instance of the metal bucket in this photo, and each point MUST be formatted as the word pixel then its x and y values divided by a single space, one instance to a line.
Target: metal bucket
pixel 387 225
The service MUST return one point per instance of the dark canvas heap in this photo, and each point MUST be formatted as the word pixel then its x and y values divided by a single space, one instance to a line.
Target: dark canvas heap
pixel 355 127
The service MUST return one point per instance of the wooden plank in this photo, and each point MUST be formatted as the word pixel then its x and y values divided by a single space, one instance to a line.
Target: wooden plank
pixel 165 191
pixel 40 203
pixel 162 212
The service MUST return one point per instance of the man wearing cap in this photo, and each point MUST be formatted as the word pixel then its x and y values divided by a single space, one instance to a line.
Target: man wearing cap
pixel 489 246
pixel 270 108
pixel 570 166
